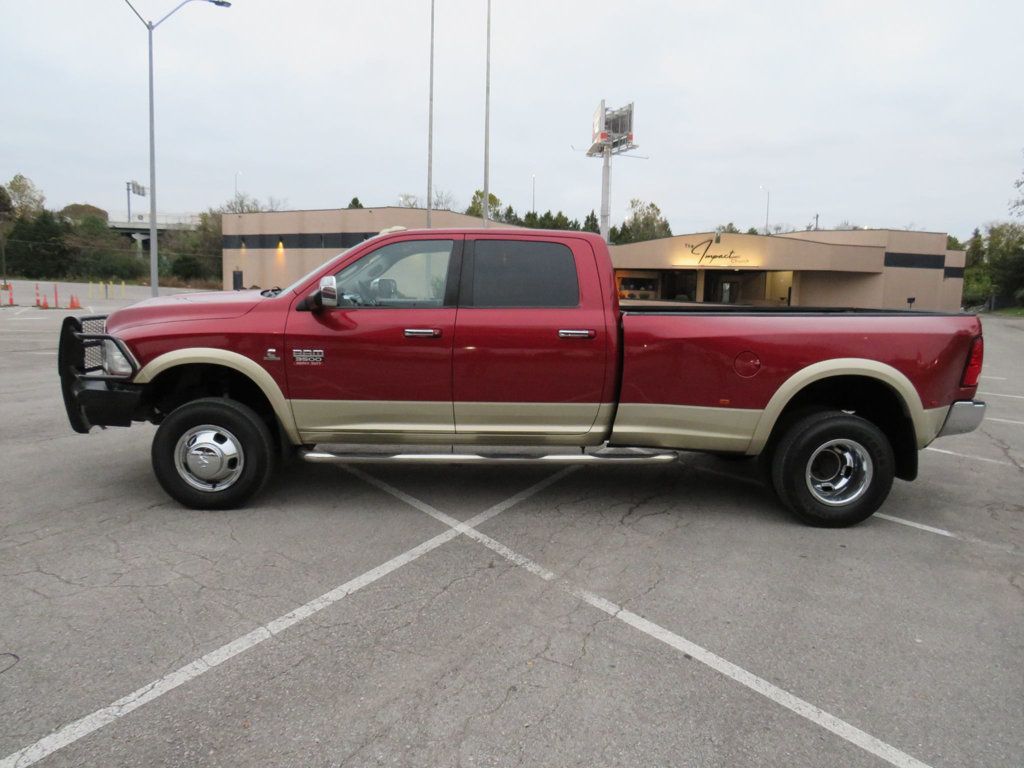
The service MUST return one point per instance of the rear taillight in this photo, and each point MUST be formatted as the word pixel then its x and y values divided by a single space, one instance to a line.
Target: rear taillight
pixel 973 370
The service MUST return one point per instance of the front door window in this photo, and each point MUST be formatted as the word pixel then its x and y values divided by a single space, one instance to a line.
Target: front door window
pixel 411 274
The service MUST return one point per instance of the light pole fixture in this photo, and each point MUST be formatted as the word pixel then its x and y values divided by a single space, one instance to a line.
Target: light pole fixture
pixel 767 206
pixel 154 275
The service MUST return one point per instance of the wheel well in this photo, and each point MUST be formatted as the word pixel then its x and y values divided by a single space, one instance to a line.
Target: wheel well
pixel 184 383
pixel 868 398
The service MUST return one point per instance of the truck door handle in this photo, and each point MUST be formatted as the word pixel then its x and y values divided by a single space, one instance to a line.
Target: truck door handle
pixel 427 333
pixel 576 333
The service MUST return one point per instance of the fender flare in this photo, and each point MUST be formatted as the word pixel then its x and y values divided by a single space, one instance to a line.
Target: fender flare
pixel 244 365
pixel 925 425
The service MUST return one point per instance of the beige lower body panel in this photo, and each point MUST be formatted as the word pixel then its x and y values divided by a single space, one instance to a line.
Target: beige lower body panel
pixel 532 418
pixel 385 422
pixel 685 427
pixel 934 418
pixel 320 420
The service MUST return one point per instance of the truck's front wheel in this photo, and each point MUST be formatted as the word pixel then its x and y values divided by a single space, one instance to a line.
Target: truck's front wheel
pixel 212 453
pixel 833 469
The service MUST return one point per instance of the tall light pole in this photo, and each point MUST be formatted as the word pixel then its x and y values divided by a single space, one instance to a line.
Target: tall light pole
pixel 533 200
pixel 430 124
pixel 487 125
pixel 154 276
pixel 767 207
pixel 237 174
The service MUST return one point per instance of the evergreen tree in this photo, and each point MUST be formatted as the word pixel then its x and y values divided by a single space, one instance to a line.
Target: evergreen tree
pixel 975 249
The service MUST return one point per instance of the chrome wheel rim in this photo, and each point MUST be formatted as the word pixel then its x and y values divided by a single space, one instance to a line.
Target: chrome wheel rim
pixel 839 472
pixel 209 458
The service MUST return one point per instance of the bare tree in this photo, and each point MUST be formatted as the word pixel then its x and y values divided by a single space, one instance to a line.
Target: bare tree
pixel 408 200
pixel 1017 205
pixel 444 200
pixel 243 203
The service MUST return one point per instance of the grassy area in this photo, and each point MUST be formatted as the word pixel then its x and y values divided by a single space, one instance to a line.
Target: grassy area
pixel 1010 312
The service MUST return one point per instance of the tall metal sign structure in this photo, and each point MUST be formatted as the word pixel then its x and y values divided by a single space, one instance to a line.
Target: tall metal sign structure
pixel 612 134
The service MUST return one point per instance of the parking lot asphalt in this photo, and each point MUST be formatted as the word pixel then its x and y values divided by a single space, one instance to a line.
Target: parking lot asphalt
pixel 489 616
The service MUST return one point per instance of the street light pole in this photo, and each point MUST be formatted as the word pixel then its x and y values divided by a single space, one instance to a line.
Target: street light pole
pixel 154 270
pixel 767 206
pixel 487 124
pixel 533 199
pixel 430 124
pixel 237 174
pixel 154 273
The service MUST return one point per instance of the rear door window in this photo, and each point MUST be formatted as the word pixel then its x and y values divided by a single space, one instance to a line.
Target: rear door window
pixel 521 273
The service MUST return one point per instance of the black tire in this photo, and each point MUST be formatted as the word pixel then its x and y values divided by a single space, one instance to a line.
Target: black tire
pixel 849 478
pixel 237 433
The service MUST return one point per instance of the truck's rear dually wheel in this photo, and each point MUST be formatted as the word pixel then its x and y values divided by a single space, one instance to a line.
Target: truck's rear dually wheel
pixel 833 469
pixel 212 453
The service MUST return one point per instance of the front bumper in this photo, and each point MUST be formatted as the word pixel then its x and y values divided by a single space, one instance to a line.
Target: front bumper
pixel 964 416
pixel 90 398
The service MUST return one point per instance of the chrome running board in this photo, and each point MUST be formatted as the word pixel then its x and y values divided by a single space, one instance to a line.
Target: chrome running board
pixel 604 456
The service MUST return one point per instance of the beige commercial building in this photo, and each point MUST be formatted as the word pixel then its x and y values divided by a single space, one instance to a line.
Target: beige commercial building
pixel 872 268
pixel 279 247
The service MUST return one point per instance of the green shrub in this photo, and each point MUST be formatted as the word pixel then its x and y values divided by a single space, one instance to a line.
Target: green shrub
pixel 187 267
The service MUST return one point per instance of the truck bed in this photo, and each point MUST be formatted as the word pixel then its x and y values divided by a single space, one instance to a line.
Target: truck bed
pixel 709 378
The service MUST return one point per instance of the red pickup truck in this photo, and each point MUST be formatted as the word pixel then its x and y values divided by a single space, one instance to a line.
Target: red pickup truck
pixel 516 338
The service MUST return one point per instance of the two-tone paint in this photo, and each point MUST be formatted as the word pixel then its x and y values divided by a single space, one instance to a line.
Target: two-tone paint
pixel 702 379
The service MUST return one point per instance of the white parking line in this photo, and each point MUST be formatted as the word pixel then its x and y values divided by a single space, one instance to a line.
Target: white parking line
pixel 1001 394
pixel 920 526
pixel 1007 548
pixel 994 378
pixel 968 456
pixel 784 698
pixel 76 730
pixel 1003 421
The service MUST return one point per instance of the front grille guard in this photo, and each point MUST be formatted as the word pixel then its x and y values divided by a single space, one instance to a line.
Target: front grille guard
pixel 80 355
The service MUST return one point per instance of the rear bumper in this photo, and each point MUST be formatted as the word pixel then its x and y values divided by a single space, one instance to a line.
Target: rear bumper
pixel 91 400
pixel 964 416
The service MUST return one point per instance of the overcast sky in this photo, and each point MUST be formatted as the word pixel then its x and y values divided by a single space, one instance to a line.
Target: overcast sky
pixel 885 114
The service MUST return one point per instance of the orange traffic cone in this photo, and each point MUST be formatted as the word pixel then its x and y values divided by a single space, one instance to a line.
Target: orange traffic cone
pixel 10 295
pixel 45 304
pixel 74 303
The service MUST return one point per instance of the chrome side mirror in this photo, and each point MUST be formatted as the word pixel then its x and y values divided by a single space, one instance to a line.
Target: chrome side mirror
pixel 328 291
